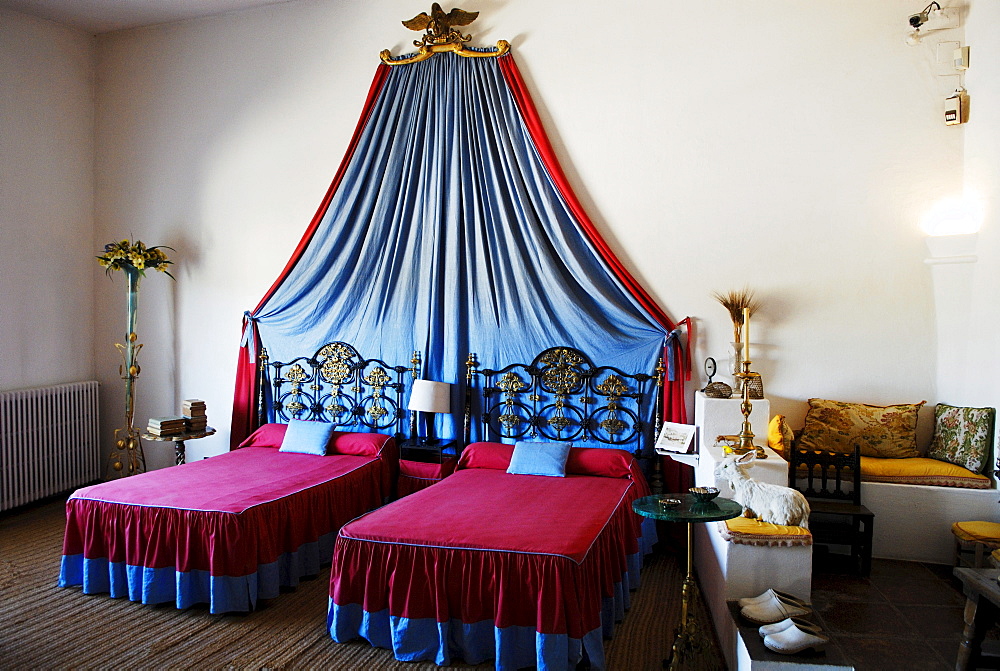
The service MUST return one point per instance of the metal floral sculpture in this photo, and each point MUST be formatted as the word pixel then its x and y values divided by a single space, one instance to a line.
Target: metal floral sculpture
pixel 133 259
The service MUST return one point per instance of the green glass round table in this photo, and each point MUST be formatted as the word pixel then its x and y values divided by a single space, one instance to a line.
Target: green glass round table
pixel 690 640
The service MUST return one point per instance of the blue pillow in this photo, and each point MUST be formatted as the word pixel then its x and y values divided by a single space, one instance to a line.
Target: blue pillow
pixel 539 459
pixel 306 437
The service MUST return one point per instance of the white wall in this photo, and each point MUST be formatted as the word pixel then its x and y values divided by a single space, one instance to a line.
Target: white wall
pixel 787 146
pixel 46 203
pixel 975 382
pixel 784 146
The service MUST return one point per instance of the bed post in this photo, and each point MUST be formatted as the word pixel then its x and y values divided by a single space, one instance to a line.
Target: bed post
pixel 657 481
pixel 262 360
pixel 470 371
pixel 415 374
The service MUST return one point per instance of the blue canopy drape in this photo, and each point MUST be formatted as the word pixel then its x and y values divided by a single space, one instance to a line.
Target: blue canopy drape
pixel 446 234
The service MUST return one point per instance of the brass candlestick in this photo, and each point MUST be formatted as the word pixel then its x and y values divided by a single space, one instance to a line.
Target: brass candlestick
pixel 746 432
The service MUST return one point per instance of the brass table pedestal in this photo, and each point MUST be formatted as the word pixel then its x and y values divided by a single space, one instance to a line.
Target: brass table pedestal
pixel 690 639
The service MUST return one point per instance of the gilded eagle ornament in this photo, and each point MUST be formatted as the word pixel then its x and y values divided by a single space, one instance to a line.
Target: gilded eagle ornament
pixel 442 36
pixel 440 26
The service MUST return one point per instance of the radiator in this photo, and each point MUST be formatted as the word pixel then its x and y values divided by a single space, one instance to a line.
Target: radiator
pixel 48 441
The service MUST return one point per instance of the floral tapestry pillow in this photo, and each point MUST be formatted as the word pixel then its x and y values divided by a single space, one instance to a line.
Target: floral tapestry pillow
pixel 963 436
pixel 888 431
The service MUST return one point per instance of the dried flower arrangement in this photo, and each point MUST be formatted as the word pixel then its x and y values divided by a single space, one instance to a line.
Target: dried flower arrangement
pixel 735 302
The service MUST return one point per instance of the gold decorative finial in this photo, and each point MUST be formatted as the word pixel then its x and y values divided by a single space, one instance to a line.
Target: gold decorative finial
pixel 441 36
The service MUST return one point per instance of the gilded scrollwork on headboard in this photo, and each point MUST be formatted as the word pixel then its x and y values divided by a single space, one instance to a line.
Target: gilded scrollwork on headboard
pixel 562 396
pixel 336 385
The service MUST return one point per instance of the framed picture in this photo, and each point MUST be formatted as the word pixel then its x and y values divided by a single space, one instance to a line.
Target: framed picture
pixel 675 438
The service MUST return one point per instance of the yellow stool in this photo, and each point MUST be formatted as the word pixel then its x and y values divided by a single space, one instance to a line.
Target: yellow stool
pixel 977 539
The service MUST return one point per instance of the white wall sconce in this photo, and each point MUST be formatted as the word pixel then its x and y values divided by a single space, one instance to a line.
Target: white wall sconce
pixel 959 215
pixel 952 225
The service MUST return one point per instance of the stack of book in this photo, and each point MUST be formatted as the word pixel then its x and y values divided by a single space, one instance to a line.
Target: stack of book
pixel 193 410
pixel 166 426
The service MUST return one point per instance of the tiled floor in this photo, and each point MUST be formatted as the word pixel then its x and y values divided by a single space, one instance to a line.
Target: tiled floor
pixel 906 615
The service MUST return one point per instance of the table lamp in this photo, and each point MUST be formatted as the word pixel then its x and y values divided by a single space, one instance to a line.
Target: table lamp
pixel 429 397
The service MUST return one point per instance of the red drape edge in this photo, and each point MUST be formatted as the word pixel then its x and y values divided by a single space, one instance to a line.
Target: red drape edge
pixel 673 392
pixel 244 416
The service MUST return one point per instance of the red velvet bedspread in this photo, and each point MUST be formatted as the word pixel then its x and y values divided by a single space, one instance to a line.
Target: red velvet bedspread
pixel 487 545
pixel 225 515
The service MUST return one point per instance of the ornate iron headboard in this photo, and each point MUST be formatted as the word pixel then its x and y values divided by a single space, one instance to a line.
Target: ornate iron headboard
pixel 335 385
pixel 563 396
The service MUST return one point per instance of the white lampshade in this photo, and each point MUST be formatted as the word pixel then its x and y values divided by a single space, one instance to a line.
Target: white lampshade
pixel 430 396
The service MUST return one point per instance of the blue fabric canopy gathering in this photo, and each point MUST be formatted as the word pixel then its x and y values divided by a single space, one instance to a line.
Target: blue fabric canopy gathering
pixel 446 232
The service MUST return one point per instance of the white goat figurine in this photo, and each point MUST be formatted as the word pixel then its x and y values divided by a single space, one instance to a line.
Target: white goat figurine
pixel 771 503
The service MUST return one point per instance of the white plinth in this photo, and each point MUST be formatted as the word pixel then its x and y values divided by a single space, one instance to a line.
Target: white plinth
pixel 723 417
pixel 726 570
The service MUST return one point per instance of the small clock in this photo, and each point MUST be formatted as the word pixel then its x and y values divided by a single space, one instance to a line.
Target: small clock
pixel 710 368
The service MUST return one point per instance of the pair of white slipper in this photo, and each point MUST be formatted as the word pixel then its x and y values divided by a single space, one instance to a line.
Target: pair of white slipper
pixel 782 628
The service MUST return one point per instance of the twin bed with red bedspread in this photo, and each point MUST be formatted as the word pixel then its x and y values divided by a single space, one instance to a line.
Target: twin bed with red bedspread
pixel 225 531
pixel 524 569
pixel 235 528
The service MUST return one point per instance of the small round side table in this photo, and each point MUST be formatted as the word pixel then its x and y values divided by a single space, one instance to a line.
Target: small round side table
pixel 690 638
pixel 178 440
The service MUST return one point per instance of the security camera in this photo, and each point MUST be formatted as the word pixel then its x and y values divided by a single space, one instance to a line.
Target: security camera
pixel 918 20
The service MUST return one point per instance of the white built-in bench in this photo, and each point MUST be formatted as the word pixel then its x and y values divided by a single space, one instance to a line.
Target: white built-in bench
pixel 913 522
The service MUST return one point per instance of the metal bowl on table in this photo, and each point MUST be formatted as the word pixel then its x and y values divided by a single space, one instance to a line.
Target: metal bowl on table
pixel 704 494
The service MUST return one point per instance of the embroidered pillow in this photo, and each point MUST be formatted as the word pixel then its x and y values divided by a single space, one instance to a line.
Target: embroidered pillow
pixel 307 437
pixel 888 431
pixel 779 435
pixel 963 436
pixel 539 459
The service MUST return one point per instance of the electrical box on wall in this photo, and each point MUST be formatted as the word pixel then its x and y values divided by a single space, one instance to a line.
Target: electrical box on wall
pixel 961 58
pixel 956 108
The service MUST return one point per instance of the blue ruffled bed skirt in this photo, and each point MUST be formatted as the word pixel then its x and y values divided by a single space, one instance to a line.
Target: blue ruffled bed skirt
pixel 186 588
pixel 512 647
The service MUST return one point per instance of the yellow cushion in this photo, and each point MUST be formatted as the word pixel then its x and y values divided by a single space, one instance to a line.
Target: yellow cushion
pixel 888 431
pixel 779 435
pixel 747 531
pixel 921 471
pixel 981 532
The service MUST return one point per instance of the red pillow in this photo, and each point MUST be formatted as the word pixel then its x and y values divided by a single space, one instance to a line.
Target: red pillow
pixel 269 435
pixel 360 444
pixel 487 455
pixel 600 461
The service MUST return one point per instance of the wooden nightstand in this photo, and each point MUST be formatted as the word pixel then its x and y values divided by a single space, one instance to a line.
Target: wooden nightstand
pixel 428 451
pixel 423 463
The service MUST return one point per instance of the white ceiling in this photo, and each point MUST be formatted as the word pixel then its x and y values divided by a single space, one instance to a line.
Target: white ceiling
pixel 102 16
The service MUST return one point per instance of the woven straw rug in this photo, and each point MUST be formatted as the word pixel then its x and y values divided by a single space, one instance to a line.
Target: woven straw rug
pixel 44 626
